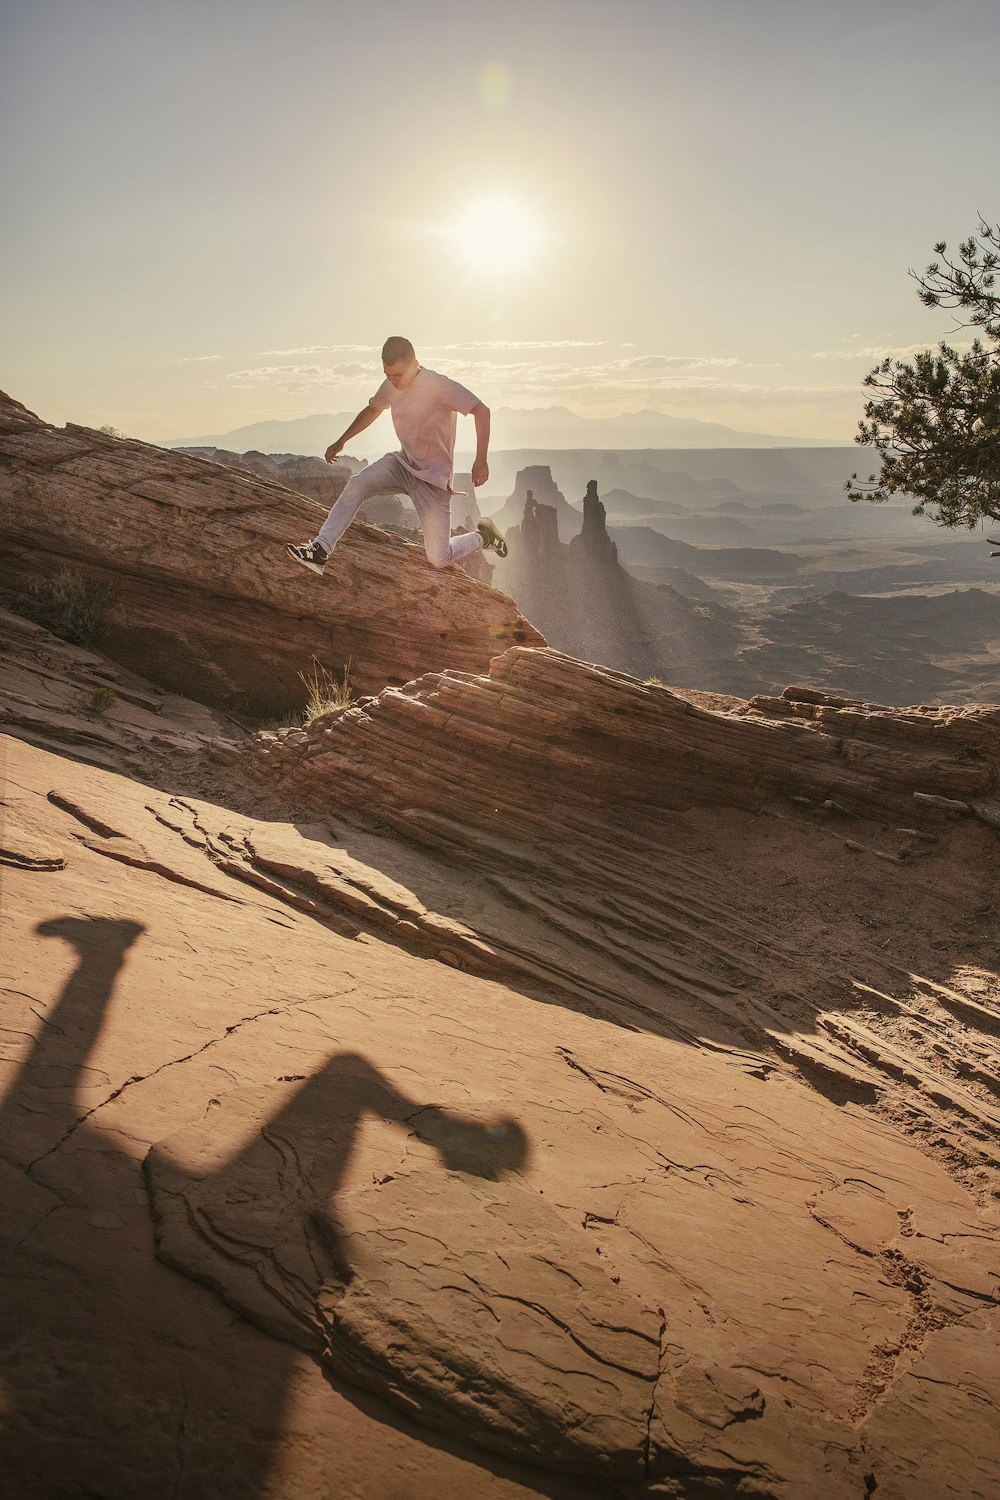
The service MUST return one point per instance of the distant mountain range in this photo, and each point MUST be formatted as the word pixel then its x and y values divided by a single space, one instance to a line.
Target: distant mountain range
pixel 534 427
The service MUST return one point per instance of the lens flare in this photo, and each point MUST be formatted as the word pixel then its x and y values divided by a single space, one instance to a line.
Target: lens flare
pixel 495 85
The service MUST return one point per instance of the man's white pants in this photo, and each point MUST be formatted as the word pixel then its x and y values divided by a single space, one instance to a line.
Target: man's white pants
pixel 433 507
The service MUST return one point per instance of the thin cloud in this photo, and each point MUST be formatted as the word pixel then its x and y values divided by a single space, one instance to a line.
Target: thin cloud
pixel 644 363
pixel 515 344
pixel 296 379
pixel 879 351
pixel 318 349
pixel 622 383
pixel 197 359
pixel 740 394
pixel 607 380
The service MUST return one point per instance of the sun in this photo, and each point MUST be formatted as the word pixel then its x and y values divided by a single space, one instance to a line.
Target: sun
pixel 497 235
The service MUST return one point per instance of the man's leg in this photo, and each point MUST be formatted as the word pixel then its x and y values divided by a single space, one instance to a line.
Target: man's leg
pixel 433 507
pixel 386 477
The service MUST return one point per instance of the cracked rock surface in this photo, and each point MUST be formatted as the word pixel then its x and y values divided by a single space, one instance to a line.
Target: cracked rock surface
pixel 601 1125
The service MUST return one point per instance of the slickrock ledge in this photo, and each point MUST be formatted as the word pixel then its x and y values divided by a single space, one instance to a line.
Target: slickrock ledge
pixel 205 601
pixel 564 799
pixel 602 1078
pixel 620 1123
pixel 544 733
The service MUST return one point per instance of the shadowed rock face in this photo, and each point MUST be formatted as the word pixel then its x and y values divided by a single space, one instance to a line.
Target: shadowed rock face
pixel 206 601
pixel 76 702
pixel 562 783
pixel 547 722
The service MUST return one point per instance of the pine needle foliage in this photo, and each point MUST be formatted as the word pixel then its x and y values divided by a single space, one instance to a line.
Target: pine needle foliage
pixel 935 423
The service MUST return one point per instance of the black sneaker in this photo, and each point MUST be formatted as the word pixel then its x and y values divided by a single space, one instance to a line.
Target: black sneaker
pixel 310 555
pixel 492 539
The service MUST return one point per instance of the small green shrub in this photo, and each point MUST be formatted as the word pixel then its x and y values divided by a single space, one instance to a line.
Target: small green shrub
pixel 100 699
pixel 652 682
pixel 112 432
pixel 325 693
pixel 70 605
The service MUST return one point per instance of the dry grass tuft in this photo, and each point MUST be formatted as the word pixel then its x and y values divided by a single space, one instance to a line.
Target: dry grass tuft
pixel 67 603
pixel 326 694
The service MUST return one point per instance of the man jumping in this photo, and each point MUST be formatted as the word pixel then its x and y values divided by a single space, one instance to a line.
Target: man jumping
pixel 424 406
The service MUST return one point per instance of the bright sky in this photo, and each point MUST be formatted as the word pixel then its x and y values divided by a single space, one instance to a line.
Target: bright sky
pixel 216 210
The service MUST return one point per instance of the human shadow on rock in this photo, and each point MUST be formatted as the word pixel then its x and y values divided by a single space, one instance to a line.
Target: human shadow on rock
pixel 120 1376
pixel 41 1104
pixel 401 1259
pixel 260 1224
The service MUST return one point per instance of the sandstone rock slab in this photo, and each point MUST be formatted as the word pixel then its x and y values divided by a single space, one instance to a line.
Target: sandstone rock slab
pixel 477 1307
pixel 464 1299
pixel 154 525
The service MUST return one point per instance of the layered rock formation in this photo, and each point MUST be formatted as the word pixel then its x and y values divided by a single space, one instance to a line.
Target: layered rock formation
pixel 618 744
pixel 572 1075
pixel 537 537
pixel 308 476
pixel 76 702
pixel 206 602
pixel 536 480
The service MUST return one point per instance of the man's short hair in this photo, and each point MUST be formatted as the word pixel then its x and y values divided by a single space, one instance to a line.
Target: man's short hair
pixel 397 349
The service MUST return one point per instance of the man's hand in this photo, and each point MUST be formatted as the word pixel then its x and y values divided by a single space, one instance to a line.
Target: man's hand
pixel 361 423
pixel 480 468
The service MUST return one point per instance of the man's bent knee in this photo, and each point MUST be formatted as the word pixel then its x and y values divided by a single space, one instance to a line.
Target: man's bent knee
pixel 439 558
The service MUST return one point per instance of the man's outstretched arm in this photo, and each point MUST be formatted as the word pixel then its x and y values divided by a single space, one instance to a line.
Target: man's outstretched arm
pixel 480 469
pixel 361 421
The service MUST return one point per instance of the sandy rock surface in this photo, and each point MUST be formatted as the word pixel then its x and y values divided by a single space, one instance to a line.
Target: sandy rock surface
pixel 575 1108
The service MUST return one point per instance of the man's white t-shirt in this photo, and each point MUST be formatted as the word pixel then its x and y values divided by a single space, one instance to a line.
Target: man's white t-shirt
pixel 424 416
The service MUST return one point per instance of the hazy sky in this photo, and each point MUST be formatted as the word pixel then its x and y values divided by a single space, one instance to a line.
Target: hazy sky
pixel 216 210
